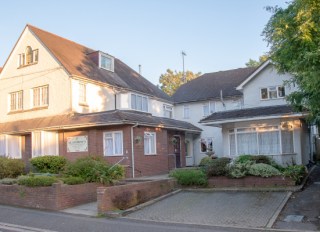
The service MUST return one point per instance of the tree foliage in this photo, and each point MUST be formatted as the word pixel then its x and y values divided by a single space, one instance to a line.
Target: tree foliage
pixel 294 38
pixel 256 63
pixel 172 80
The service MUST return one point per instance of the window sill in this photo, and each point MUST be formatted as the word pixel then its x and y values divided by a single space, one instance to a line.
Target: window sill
pixel 27 65
pixel 83 104
pixel 113 156
pixel 150 154
pixel 15 112
pixel 37 108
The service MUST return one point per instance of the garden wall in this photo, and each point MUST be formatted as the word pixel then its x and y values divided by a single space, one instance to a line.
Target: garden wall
pixel 126 196
pixel 56 197
pixel 250 181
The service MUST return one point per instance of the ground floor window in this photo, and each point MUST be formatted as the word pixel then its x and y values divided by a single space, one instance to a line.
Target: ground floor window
pixel 44 143
pixel 268 140
pixel 10 146
pixel 113 143
pixel 206 144
pixel 150 143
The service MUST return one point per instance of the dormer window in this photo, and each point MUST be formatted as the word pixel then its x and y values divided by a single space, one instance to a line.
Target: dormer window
pixel 106 62
pixel 29 57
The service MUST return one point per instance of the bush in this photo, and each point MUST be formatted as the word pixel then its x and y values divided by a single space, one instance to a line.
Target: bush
pixel 261 159
pixel 296 172
pixel 189 177
pixel 73 180
pixel 243 159
pixel 264 170
pixel 36 181
pixel 238 170
pixel 94 169
pixel 11 168
pixel 51 164
pixel 217 167
pixel 204 161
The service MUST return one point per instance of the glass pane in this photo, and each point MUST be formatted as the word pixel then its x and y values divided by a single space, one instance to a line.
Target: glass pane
pixel 186 112
pixel 133 102
pixel 264 93
pixel 247 144
pixel 281 91
pixel 108 146
pixel 269 143
pixel 203 145
pixel 153 144
pixel 2 145
pixel 272 92
pixel 118 143
pixel 232 139
pixel 36 144
pixel 145 104
pixel 14 146
pixel 106 62
pixel 205 110
pixel 146 145
pixel 287 141
pixel 139 103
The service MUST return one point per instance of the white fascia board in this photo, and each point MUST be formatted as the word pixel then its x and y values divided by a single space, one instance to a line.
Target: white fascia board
pixel 240 87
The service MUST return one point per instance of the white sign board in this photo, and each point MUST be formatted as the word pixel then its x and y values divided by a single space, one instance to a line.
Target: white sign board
pixel 77 144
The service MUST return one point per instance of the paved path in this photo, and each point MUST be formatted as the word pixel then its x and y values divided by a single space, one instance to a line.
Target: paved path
pixel 252 209
pixel 303 205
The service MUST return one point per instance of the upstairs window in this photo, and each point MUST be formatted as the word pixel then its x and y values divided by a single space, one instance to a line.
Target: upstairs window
pixel 29 57
pixel 167 111
pixel 139 102
pixel 16 101
pixel 205 109
pixel 107 62
pixel 272 92
pixel 82 93
pixel 40 96
pixel 186 112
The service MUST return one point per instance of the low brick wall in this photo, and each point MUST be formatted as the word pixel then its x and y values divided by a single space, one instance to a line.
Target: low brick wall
pixel 250 181
pixel 56 197
pixel 126 196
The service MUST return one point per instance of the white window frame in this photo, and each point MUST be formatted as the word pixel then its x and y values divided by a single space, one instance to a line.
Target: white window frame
pixel 6 141
pixel 135 102
pixel 22 58
pixel 103 55
pixel 16 101
pixel 241 130
pixel 206 109
pixel 113 143
pixel 82 93
pixel 207 140
pixel 186 108
pixel 167 109
pixel 269 90
pixel 43 100
pixel 149 136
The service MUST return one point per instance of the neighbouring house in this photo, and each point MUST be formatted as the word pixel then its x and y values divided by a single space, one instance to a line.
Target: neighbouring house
pixel 264 124
pixel 58 97
pixel 199 98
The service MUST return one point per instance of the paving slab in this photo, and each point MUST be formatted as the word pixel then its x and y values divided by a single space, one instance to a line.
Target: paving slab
pixel 243 209
pixel 89 209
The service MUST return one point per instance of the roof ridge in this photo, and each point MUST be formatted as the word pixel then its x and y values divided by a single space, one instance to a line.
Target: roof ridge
pixel 53 34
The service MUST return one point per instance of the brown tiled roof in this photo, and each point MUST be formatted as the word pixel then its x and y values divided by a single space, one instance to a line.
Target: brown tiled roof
pixel 74 58
pixel 115 117
pixel 1 69
pixel 249 113
pixel 209 86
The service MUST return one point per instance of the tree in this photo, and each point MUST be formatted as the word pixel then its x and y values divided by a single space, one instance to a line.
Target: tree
pixel 255 63
pixel 172 80
pixel 293 35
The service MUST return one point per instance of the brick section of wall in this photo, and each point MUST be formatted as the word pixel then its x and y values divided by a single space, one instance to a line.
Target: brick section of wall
pixel 56 197
pixel 250 181
pixel 132 194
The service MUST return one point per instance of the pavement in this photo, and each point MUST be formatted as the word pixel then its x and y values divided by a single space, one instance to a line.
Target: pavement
pixel 299 211
pixel 302 211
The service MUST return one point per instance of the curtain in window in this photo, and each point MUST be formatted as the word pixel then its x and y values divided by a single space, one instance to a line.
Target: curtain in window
pixel 186 111
pixel 2 145
pixel 287 141
pixel 49 143
pixel 232 139
pixel 152 144
pixel 118 143
pixel 139 103
pixel 269 142
pixel 36 144
pixel 14 146
pixel 247 143
pixel 145 104
pixel 133 101
pixel 44 96
pixel 146 144
pixel 108 144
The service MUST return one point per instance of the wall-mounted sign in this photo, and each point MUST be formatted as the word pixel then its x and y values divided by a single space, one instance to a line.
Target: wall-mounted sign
pixel 77 144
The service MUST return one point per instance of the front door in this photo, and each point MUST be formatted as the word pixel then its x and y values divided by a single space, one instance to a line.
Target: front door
pixel 176 147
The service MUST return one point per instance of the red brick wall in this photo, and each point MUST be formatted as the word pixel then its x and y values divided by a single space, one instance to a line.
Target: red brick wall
pixel 135 193
pixel 55 197
pixel 250 181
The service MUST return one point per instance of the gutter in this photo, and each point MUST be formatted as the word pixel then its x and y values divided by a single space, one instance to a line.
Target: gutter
pixel 132 149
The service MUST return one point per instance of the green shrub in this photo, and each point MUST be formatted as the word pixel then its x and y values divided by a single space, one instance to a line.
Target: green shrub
pixel 51 164
pixel 11 168
pixel 296 172
pixel 73 180
pixel 217 167
pixel 36 181
pixel 243 159
pixel 94 169
pixel 264 170
pixel 8 181
pixel 261 159
pixel 238 170
pixel 204 161
pixel 190 177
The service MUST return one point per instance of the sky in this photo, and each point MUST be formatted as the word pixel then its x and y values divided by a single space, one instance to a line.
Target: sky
pixel 216 35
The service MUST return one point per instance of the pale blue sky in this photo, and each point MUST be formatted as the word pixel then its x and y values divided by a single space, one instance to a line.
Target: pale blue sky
pixel 216 35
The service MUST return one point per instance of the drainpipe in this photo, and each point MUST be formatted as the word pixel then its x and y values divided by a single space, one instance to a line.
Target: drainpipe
pixel 132 149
